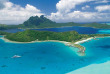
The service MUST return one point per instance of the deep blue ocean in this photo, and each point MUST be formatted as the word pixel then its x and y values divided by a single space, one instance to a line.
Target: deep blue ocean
pixel 80 30
pixel 53 57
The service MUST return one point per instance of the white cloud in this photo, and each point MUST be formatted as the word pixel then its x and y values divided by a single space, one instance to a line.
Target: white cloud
pixel 78 16
pixel 15 14
pixel 66 6
pixel 66 12
pixel 103 8
pixel 2 3
pixel 86 7
pixel 102 1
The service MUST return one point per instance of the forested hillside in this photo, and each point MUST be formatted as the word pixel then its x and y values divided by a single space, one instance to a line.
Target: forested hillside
pixel 32 35
pixel 43 22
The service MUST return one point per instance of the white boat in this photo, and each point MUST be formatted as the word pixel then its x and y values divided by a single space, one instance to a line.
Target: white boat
pixel 16 56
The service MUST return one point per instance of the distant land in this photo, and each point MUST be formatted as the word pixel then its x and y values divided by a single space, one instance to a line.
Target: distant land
pixel 71 38
pixel 36 22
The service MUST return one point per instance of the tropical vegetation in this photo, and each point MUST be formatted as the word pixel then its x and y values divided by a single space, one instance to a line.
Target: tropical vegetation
pixel 32 35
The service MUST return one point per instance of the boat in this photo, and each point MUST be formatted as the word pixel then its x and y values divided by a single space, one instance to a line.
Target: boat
pixel 16 56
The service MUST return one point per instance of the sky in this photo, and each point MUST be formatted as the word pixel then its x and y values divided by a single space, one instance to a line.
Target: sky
pixel 80 11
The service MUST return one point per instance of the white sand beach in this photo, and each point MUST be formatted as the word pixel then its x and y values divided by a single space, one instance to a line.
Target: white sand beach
pixel 103 68
pixel 82 41
pixel 66 43
pixel 6 40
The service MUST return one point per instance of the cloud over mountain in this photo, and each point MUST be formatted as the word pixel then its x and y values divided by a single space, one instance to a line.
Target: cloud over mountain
pixel 15 14
pixel 66 11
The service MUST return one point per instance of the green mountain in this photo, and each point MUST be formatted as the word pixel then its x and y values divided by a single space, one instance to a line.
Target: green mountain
pixel 43 22
pixel 37 21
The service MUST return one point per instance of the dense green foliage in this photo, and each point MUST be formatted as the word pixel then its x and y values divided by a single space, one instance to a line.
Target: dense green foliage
pixel 3 33
pixel 4 27
pixel 97 25
pixel 32 35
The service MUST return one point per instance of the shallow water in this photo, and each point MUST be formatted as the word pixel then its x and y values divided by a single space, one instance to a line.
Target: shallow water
pixel 50 57
pixel 53 57
pixel 104 31
pixel 40 58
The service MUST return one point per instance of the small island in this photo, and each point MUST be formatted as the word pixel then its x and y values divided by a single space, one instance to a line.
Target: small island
pixel 71 38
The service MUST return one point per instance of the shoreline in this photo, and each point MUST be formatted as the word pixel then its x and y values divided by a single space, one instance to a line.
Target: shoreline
pixel 76 44
pixel 64 27
pixel 83 41
pixel 7 40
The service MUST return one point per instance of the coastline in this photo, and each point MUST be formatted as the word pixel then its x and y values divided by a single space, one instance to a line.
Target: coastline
pixel 63 27
pixel 76 44
pixel 82 41
pixel 7 40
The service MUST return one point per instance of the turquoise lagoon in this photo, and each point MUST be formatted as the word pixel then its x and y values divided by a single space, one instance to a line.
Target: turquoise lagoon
pixel 37 58
pixel 50 57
